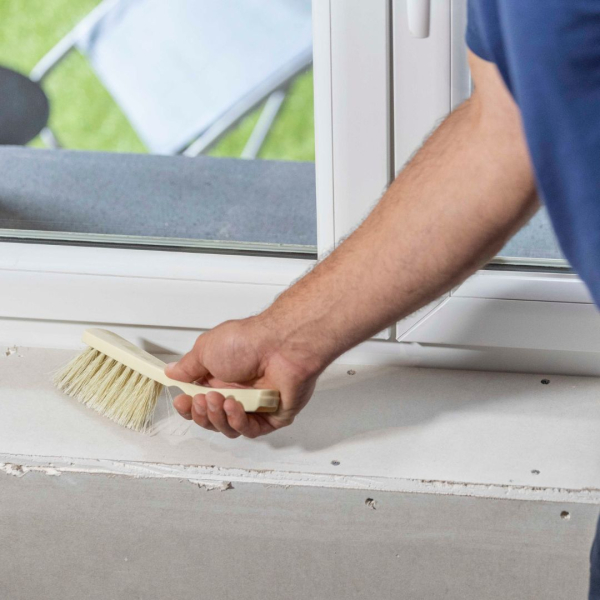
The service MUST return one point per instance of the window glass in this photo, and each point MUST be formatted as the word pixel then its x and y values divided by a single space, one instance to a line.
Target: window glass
pixel 535 244
pixel 221 93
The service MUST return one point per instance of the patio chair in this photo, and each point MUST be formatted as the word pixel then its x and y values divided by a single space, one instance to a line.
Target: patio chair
pixel 185 71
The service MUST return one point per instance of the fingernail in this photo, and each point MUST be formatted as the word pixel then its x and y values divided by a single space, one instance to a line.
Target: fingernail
pixel 199 408
pixel 227 409
pixel 211 404
pixel 171 365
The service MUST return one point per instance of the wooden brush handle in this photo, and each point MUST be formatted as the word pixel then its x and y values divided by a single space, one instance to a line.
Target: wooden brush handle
pixel 128 354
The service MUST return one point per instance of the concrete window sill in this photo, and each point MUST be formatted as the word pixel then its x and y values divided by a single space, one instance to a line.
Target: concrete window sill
pixel 378 428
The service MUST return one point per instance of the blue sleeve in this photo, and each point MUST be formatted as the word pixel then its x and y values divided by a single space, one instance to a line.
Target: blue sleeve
pixel 475 32
pixel 553 56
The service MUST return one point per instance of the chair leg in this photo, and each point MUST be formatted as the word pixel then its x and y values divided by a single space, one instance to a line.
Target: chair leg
pixel 206 140
pixel 49 139
pixel 263 126
pixel 68 43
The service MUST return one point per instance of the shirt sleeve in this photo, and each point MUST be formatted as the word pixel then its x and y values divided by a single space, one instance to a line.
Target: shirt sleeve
pixel 475 32
pixel 553 57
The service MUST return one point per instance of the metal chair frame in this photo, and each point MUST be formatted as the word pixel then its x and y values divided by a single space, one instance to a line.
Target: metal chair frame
pixel 273 91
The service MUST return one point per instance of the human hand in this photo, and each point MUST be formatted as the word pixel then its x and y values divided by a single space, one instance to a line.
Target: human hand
pixel 240 354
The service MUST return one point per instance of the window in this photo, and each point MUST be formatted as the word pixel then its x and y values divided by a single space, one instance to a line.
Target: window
pixel 59 283
pixel 534 245
pixel 378 91
pixel 216 82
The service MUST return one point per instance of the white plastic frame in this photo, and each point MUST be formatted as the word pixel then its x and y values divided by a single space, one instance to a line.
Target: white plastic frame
pixel 509 309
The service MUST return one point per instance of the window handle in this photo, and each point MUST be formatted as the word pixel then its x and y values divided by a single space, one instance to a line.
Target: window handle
pixel 419 17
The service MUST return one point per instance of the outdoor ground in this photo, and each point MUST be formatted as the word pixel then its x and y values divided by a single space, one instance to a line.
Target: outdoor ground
pixel 85 116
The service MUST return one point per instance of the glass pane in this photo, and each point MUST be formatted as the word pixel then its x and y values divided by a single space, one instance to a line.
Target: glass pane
pixel 534 245
pixel 220 92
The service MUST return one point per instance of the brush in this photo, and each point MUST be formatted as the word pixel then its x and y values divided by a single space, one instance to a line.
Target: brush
pixel 123 382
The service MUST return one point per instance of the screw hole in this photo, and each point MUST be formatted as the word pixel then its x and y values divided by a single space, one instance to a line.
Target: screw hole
pixel 565 515
pixel 351 372
pixel 535 472
pixel 335 463
pixel 371 503
pixel 545 381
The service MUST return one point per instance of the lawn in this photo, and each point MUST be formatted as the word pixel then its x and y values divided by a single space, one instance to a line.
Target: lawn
pixel 84 115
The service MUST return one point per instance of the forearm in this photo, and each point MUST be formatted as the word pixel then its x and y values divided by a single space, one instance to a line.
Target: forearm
pixel 452 208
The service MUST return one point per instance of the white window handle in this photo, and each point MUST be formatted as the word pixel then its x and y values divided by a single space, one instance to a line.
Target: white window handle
pixel 419 17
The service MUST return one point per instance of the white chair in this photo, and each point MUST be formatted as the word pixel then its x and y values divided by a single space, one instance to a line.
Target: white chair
pixel 185 71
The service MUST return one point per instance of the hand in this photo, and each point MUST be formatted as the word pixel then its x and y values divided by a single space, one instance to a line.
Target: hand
pixel 244 353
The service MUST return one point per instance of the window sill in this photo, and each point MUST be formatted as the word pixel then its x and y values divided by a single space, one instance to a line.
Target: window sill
pixel 431 431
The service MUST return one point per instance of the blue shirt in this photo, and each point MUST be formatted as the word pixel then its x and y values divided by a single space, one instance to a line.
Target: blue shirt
pixel 548 53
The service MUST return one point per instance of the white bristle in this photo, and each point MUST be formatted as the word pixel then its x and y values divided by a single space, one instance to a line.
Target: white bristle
pixel 110 388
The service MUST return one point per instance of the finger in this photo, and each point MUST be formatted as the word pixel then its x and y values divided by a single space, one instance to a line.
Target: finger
pixel 190 367
pixel 249 426
pixel 217 415
pixel 183 405
pixel 199 413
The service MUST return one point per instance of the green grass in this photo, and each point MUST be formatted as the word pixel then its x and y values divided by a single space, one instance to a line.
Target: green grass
pixel 84 115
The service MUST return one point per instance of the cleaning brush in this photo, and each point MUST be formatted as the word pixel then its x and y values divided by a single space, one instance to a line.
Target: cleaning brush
pixel 123 382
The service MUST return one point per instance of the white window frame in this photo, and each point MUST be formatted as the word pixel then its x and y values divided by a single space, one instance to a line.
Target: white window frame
pixel 378 92
pixel 509 308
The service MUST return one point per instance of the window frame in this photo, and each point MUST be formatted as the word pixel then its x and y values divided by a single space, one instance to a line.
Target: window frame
pixel 538 297
pixel 149 288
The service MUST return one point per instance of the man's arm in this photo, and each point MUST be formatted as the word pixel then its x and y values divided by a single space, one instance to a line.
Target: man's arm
pixel 465 193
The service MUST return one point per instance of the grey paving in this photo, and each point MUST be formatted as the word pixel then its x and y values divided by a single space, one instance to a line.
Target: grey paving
pixel 535 240
pixel 177 197
pixel 142 195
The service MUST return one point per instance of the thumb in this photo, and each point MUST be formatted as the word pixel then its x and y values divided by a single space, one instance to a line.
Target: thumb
pixel 190 367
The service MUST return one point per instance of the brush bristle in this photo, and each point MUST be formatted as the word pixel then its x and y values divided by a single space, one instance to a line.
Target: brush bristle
pixel 110 388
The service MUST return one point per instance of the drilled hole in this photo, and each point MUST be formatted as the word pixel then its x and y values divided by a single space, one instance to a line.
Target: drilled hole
pixel 535 472
pixel 545 381
pixel 565 514
pixel 371 503
pixel 351 372
pixel 335 463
